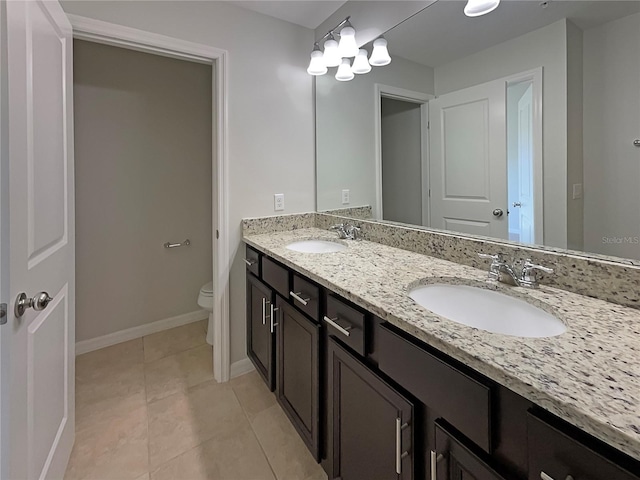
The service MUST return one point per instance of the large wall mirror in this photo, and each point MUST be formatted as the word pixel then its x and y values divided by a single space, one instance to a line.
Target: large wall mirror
pixel 522 125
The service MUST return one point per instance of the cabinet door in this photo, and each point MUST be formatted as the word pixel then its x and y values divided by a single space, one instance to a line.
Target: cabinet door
pixel 298 365
pixel 452 460
pixel 371 423
pixel 260 340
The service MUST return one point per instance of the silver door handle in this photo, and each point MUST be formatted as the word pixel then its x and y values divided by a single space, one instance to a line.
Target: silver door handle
pixel 497 212
pixel 544 476
pixel 341 329
pixel 37 302
pixel 264 311
pixel 186 243
pixel 399 453
pixel 435 458
pixel 249 263
pixel 296 296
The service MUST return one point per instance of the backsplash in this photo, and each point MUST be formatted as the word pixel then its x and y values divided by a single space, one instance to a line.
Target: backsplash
pixel 601 278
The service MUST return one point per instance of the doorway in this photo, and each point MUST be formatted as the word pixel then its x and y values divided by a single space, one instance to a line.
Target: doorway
pixel 401 155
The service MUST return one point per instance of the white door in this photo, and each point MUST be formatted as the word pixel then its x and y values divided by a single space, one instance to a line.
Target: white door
pixel 468 160
pixel 525 204
pixel 41 235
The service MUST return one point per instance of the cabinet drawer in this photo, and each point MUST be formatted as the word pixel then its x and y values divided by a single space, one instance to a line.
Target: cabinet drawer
pixel 306 296
pixel 346 323
pixel 252 259
pixel 276 276
pixel 558 455
pixel 461 400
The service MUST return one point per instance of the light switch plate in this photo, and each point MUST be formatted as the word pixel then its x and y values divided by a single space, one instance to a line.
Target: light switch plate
pixel 278 202
pixel 346 197
pixel 577 191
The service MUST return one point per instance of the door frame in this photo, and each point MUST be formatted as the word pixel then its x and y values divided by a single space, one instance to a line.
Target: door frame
pixel 395 93
pixel 535 77
pixel 117 35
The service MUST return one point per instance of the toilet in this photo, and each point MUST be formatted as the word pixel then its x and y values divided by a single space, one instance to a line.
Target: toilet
pixel 205 300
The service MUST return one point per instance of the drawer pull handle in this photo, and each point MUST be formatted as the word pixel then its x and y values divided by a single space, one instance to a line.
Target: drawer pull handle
pixel 298 297
pixel 435 458
pixel 250 262
pixel 399 453
pixel 264 311
pixel 341 329
pixel 545 476
pixel 273 324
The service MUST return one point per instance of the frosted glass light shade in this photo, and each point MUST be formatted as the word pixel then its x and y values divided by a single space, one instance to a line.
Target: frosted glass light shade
pixel 475 8
pixel 316 65
pixel 331 56
pixel 348 46
pixel 361 63
pixel 380 54
pixel 344 73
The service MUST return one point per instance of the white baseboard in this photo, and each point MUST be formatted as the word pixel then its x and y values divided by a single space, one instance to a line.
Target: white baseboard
pixel 97 343
pixel 241 367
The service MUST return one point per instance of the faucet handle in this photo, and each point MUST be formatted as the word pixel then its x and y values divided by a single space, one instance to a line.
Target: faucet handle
pixel 353 231
pixel 496 258
pixel 338 226
pixel 529 277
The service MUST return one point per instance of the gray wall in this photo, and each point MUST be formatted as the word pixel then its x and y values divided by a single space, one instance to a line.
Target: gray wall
pixel 143 177
pixel 270 125
pixel 345 129
pixel 401 139
pixel 611 119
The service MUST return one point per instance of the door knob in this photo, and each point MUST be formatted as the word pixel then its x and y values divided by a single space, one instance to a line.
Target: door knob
pixel 517 204
pixel 37 302
pixel 498 212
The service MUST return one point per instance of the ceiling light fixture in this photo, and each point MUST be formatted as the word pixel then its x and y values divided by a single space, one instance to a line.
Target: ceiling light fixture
pixel 361 63
pixel 344 73
pixel 380 55
pixel 335 53
pixel 348 46
pixel 316 65
pixel 476 8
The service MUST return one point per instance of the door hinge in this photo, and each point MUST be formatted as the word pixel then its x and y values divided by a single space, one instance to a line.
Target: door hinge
pixel 3 313
pixel 217 234
pixel 428 125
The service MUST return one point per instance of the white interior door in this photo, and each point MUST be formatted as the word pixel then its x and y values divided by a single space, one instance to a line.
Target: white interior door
pixel 468 160
pixel 525 206
pixel 41 232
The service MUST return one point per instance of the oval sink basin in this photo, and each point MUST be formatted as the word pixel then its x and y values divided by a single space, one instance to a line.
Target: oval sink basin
pixel 487 310
pixel 316 246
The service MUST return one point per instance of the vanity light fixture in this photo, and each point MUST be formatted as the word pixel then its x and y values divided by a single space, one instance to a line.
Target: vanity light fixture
pixel 476 8
pixel 317 65
pixel 331 56
pixel 344 73
pixel 348 47
pixel 338 54
pixel 380 54
pixel 361 63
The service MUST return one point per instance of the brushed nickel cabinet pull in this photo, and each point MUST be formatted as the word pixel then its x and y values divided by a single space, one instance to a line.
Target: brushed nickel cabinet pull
pixel 298 297
pixel 341 329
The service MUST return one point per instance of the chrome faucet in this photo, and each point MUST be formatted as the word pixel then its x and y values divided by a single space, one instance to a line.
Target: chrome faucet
pixel 501 271
pixel 346 231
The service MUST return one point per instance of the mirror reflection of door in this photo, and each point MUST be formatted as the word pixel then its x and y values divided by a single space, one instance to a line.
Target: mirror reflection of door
pixel 401 142
pixel 467 140
pixel 520 162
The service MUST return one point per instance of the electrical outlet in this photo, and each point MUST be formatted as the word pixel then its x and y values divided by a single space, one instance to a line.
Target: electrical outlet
pixel 278 202
pixel 345 197
pixel 577 191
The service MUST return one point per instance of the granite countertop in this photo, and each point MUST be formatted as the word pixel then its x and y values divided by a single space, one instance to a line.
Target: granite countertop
pixel 589 376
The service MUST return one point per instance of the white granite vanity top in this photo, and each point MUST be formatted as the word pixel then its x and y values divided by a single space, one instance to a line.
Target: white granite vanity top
pixel 589 376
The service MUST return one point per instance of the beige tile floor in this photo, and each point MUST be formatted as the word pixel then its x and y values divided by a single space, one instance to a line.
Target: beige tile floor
pixel 149 409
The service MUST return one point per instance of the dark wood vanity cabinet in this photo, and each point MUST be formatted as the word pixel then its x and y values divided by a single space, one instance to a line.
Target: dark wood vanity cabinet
pixel 371 424
pixel 452 460
pixel 260 338
pixel 372 402
pixel 298 372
